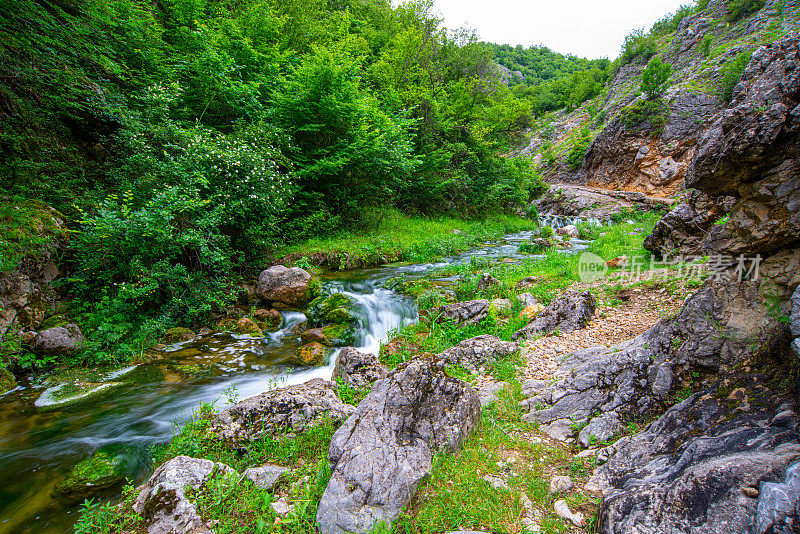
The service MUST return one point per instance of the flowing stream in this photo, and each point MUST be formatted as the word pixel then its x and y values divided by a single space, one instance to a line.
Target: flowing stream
pixel 39 446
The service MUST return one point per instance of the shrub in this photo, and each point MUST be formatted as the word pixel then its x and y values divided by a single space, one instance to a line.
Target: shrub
pixel 638 44
pixel 580 144
pixel 655 78
pixel 738 9
pixel 705 45
pixel 652 112
pixel 731 73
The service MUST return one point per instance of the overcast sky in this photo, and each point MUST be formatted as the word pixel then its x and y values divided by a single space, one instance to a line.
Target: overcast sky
pixel 585 28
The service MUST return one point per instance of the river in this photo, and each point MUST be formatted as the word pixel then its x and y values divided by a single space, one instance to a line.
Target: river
pixel 39 446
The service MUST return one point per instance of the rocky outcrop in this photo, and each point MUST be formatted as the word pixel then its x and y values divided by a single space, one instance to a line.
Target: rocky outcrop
pixel 469 312
pixel 571 311
pixel 578 201
pixel 162 501
pixel 357 369
pixel 479 351
pixel 752 152
pixel 699 466
pixel 382 452
pixel 682 230
pixel 286 410
pixel 60 340
pixel 284 287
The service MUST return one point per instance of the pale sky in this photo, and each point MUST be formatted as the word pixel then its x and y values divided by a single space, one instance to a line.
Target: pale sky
pixel 585 28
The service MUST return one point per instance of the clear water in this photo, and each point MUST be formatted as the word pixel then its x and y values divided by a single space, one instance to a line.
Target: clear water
pixel 38 447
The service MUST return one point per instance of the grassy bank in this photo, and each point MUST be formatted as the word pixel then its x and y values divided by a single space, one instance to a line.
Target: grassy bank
pixel 456 496
pixel 397 237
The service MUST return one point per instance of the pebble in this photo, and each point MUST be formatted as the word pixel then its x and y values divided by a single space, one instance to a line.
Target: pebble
pixel 281 507
pixel 750 491
pixel 563 511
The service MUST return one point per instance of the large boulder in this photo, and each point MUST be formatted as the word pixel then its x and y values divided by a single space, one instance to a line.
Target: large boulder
pixel 469 312
pixel 571 311
pixel 286 287
pixel 289 409
pixel 697 468
pixel 162 501
pixel 476 352
pixel 383 451
pixel 60 340
pixel 357 369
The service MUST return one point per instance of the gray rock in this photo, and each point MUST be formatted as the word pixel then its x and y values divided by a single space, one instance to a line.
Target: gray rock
pixel 162 500
pixel 533 386
pixel 784 418
pixel 526 299
pixel 559 430
pixel 287 286
pixel 488 392
pixel 500 305
pixel 570 231
pixel 796 346
pixel 266 476
pixel 358 369
pixel 281 507
pixel 487 281
pixel 661 382
pixel 476 352
pixel 561 483
pixel 700 453
pixel 496 482
pixel 778 509
pixel 59 340
pixel 794 317
pixel 469 312
pixel 382 452
pixel 289 409
pixel 569 312
pixel 600 428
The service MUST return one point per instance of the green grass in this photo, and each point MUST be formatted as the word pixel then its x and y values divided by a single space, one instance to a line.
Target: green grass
pixel 402 238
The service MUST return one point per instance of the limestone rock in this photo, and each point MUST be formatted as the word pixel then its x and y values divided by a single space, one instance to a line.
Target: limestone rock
pixel 600 429
pixel 794 317
pixel 358 369
pixel 561 483
pixel 571 311
pixel 469 312
pixel 162 500
pixel 526 299
pixel 476 352
pixel 563 511
pixel 382 452
pixel 266 476
pixel 60 340
pixel 779 504
pixel 568 231
pixel 287 286
pixel 289 409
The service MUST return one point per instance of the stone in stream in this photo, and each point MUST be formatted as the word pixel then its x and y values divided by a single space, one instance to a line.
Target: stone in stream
pixel 357 369
pixel 100 472
pixel 476 352
pixel 383 451
pixel 571 311
pixel 162 501
pixel 289 409
pixel 460 313
pixel 568 231
pixel 285 287
pixel 311 354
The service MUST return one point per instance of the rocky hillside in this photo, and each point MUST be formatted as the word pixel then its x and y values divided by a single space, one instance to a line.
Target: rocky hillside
pixel 722 459
pixel 623 140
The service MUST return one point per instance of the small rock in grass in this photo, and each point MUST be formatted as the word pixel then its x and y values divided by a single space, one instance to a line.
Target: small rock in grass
pixel 496 482
pixel 560 483
pixel 563 511
pixel 281 507
pixel 266 476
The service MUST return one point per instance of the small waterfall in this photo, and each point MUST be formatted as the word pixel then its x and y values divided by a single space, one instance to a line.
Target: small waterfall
pixel 560 221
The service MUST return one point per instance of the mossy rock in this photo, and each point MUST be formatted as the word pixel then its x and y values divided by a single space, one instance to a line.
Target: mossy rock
pixel 248 327
pixel 340 335
pixel 335 308
pixel 314 289
pixel 7 381
pixel 54 321
pixel 311 355
pixel 178 334
pixel 103 470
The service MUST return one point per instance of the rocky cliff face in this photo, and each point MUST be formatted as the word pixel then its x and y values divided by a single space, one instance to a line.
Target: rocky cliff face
pixel 648 146
pixel 722 459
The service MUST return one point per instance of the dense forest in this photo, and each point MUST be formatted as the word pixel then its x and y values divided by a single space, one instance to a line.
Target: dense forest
pixel 183 140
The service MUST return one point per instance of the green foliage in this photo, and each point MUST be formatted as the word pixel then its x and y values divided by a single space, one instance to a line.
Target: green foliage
pixel 647 113
pixel 730 75
pixel 637 45
pixel 670 23
pixel 28 231
pixel 580 144
pixel 738 9
pixel 705 45
pixel 655 78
